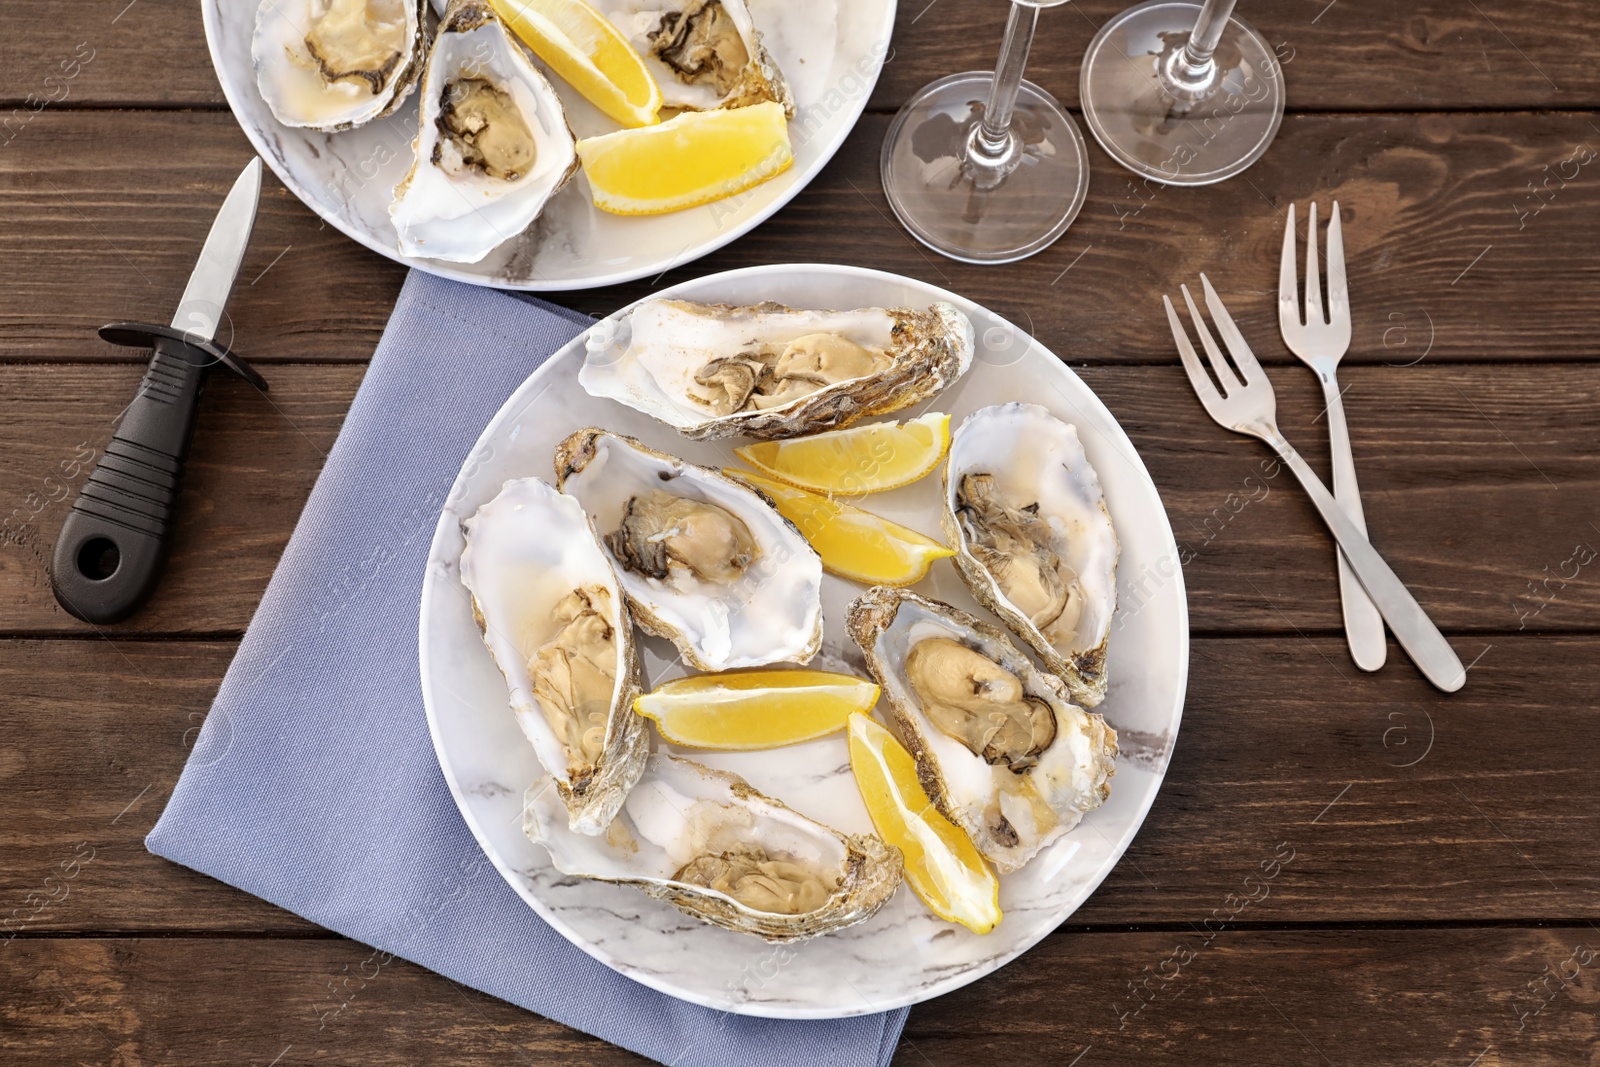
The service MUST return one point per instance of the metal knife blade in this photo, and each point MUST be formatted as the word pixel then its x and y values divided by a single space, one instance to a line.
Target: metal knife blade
pixel 200 310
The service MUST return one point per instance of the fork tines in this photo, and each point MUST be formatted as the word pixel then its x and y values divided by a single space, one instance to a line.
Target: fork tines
pixel 1236 379
pixel 1314 328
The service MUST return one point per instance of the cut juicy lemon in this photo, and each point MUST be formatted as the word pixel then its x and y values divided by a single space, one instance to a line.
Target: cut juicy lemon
pixel 755 709
pixel 696 158
pixel 943 866
pixel 590 53
pixel 860 459
pixel 853 543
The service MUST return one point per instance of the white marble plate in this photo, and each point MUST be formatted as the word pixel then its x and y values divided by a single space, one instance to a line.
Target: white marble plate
pixel 829 50
pixel 904 954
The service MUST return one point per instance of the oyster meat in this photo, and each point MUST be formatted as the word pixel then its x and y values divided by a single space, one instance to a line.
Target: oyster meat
pixel 1033 537
pixel 770 371
pixel 705 561
pixel 682 542
pixel 704 54
pixel 556 622
pixel 492 143
pixel 1000 748
pixel 334 64
pixel 707 843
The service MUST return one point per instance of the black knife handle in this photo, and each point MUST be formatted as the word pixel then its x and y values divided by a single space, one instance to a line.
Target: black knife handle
pixel 112 546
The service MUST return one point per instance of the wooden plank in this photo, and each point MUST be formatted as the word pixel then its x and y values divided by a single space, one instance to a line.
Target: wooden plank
pixel 100 208
pixel 109 52
pixel 1477 482
pixel 1397 803
pixel 1361 996
pixel 123 717
pixel 255 458
pixel 1353 56
pixel 1315 998
pixel 1469 238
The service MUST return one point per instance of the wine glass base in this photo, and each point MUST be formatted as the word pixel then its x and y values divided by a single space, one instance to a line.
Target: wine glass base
pixel 1188 142
pixel 958 212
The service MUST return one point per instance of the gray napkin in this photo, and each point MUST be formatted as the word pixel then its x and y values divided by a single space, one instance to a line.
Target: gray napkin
pixel 313 783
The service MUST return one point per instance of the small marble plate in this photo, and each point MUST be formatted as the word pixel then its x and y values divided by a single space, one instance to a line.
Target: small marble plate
pixel 904 954
pixel 830 52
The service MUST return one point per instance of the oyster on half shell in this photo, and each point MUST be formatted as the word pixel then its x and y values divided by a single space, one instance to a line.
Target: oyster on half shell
pixel 556 622
pixel 704 54
pixel 770 371
pixel 1000 748
pixel 705 561
pixel 333 64
pixel 1034 541
pixel 707 843
pixel 492 146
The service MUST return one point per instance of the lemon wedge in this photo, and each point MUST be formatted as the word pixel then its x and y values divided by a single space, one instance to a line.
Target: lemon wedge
pixel 853 543
pixel 582 45
pixel 859 459
pixel 943 866
pixel 696 158
pixel 755 709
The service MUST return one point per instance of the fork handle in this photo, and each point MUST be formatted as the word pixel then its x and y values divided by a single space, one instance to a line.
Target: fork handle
pixel 1415 631
pixel 1363 625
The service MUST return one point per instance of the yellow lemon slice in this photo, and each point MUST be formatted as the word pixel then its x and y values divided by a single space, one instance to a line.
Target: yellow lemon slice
pixel 853 543
pixel 860 459
pixel 696 158
pixel 755 709
pixel 582 45
pixel 943 867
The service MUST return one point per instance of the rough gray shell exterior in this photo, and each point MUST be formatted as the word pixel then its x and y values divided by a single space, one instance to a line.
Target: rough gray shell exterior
pixel 575 453
pixel 596 793
pixel 1083 674
pixel 873 612
pixel 399 87
pixel 933 349
pixel 871 873
pixel 464 15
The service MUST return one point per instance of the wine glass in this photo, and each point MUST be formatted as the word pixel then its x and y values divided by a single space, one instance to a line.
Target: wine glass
pixel 1183 93
pixel 986 167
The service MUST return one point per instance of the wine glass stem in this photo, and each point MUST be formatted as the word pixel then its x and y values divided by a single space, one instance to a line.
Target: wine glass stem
pixel 992 145
pixel 1191 72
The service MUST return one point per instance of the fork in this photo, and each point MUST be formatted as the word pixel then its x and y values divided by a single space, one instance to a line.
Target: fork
pixel 1320 343
pixel 1246 404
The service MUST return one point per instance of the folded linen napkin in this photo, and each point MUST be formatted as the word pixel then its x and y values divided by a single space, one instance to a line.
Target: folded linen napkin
pixel 313 783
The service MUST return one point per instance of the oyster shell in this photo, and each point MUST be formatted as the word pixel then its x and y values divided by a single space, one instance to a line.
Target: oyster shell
pixel 1034 541
pixel 492 146
pixel 704 54
pixel 707 843
pixel 771 371
pixel 1000 749
pixel 557 625
pixel 334 64
pixel 705 561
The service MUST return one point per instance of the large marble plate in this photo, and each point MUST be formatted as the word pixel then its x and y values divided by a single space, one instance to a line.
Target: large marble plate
pixel 830 50
pixel 904 954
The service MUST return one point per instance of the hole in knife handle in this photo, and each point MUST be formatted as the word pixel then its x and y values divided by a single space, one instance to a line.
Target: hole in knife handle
pixel 98 559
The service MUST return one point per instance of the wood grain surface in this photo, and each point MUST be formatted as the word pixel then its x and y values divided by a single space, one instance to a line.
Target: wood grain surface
pixel 1479 482
pixel 1349 55
pixel 1414 996
pixel 1440 906
pixel 1451 256
pixel 1401 809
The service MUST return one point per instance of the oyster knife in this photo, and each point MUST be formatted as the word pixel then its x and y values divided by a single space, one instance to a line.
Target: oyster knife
pixel 113 543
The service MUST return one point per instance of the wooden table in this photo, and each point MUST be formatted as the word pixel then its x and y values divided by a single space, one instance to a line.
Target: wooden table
pixel 1439 907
